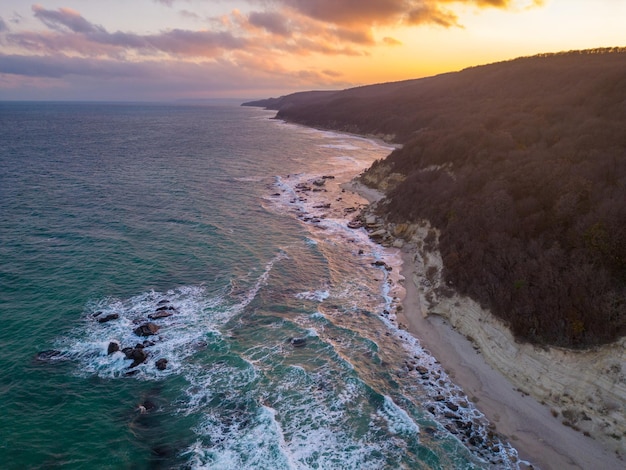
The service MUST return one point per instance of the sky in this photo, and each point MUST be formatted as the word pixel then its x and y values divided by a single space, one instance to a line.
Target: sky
pixel 162 50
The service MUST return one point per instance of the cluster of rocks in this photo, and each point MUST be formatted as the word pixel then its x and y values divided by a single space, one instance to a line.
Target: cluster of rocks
pixel 315 185
pixel 456 414
pixel 139 353
pixel 387 235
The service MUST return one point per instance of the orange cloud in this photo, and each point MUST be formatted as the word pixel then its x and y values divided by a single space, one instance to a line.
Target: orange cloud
pixel 370 13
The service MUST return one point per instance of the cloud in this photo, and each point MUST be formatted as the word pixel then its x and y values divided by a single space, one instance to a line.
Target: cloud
pixel 257 33
pixel 3 25
pixel 427 14
pixel 61 66
pixel 72 33
pixel 371 13
pixel 65 18
pixel 391 41
pixel 86 78
pixel 273 22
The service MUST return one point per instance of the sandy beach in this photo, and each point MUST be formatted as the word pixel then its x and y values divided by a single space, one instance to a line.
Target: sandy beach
pixel 540 438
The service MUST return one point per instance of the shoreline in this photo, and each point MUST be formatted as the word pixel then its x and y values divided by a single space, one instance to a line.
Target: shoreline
pixel 530 426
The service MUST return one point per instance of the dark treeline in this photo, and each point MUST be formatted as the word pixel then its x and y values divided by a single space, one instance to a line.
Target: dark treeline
pixel 522 167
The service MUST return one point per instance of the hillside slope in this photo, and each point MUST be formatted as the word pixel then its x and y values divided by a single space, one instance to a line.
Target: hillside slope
pixel 521 166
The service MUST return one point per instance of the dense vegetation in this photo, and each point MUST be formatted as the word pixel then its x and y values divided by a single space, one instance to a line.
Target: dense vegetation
pixel 522 166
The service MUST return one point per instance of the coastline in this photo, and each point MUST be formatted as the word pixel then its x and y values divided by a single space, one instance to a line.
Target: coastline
pixel 531 427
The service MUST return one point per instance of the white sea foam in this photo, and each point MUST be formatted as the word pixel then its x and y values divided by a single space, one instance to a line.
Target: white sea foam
pixel 317 296
pixel 195 322
pixel 340 146
pixel 237 445
pixel 398 421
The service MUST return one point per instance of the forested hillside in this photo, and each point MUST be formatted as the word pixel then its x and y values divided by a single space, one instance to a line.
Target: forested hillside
pixel 522 167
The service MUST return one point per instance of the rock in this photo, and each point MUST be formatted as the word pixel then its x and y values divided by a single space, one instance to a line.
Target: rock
pixel 422 370
pixel 298 342
pixel 166 307
pixel 114 346
pixel 138 356
pixel 147 329
pixel 160 314
pixel 161 364
pixel 149 405
pixel 382 264
pixel 163 302
pixel 355 224
pixel 320 182
pixel 328 177
pixel 370 220
pixel 452 406
pixel 398 243
pixel 109 317
pixel 382 233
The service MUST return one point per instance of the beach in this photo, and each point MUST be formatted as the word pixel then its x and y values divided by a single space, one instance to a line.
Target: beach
pixel 538 436
pixel 541 439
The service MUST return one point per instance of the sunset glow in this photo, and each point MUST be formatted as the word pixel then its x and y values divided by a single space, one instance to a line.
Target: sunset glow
pixel 188 49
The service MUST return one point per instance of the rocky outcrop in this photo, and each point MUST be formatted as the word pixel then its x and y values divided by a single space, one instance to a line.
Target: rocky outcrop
pixel 137 354
pixel 147 329
pixel 108 318
pixel 114 346
pixel 161 314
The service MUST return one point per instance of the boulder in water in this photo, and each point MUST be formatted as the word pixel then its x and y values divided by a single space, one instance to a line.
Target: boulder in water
pixel 166 307
pixel 161 364
pixel 298 342
pixel 139 356
pixel 147 329
pixel 114 346
pixel 160 314
pixel 109 317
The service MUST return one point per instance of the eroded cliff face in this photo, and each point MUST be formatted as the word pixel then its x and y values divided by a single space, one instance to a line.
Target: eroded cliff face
pixel 585 389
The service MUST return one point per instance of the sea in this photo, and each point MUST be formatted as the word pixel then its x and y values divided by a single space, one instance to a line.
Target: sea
pixel 179 289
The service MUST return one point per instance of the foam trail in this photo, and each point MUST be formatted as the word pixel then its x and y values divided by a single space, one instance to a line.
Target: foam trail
pixel 398 420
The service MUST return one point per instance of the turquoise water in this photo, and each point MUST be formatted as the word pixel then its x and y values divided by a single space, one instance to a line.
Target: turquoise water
pixel 123 209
